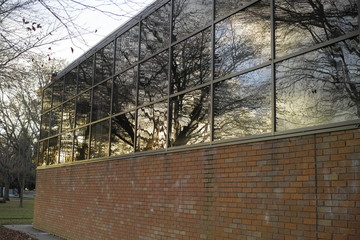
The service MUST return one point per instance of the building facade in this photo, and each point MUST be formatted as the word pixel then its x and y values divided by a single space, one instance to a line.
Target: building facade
pixel 234 119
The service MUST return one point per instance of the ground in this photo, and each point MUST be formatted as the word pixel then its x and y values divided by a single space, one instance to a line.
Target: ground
pixel 7 234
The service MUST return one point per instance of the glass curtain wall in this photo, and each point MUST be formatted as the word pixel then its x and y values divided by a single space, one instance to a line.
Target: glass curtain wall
pixel 190 72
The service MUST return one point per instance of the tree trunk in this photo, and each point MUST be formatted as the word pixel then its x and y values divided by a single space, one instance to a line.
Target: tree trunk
pixel 21 180
pixel 7 189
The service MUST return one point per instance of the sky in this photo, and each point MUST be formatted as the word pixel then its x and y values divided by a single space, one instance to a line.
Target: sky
pixel 99 26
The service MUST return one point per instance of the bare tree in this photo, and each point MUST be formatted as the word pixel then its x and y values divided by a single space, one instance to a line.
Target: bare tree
pixel 20 118
pixel 28 25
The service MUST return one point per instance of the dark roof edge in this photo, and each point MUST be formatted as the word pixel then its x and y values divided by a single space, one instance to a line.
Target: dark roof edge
pixel 117 32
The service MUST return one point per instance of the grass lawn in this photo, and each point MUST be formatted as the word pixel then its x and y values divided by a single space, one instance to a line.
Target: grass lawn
pixel 10 213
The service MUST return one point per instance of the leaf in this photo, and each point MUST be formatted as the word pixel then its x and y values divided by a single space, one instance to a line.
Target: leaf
pixel 49 48
pixel 95 30
pixel 33 28
pixel 39 26
pixel 29 29
pixel 72 50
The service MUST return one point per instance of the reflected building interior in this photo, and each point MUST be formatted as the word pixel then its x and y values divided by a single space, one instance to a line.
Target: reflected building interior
pixel 189 72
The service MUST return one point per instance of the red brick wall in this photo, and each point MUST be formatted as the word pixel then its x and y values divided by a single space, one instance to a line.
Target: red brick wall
pixel 305 187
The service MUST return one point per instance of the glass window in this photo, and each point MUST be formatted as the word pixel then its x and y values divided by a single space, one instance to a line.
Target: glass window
pixel 125 91
pixel 127 49
pixel 45 125
pixel 53 154
pixel 101 101
pixel 189 16
pixel 104 63
pixel 83 108
pixel 66 147
pixel 81 143
pixel 319 87
pixel 47 98
pixel 99 140
pixel 70 84
pixel 243 40
pixel 58 92
pixel 153 82
pixel 242 105
pixel 155 31
pixel 152 127
pixel 43 154
pixel 86 74
pixel 122 134
pixel 225 7
pixel 55 121
pixel 301 24
pixel 191 64
pixel 68 115
pixel 190 118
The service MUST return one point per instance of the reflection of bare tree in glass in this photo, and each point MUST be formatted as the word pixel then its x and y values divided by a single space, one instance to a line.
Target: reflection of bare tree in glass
pixel 122 134
pixel 85 74
pixel 327 80
pixel 243 40
pixel 104 60
pixel 242 105
pixel 153 82
pixel 319 87
pixel 155 31
pixel 81 143
pixel 189 112
pixel 152 130
pixel 191 62
pixel 190 15
pixel 190 118
pixel 300 24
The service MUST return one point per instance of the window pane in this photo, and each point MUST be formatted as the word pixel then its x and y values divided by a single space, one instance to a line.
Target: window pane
pixel 153 83
pixel 319 87
pixel 301 24
pixel 55 121
pixel 191 64
pixel 127 49
pixel 125 91
pixel 86 74
pixel 122 134
pixel 45 125
pixel 70 84
pixel 66 147
pixel 81 143
pixel 242 105
pixel 152 127
pixel 224 7
pixel 104 63
pixel 155 31
pixel 243 40
pixel 47 98
pixel 190 118
pixel 53 157
pixel 43 154
pixel 189 16
pixel 68 115
pixel 58 92
pixel 102 100
pixel 83 108
pixel 99 140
